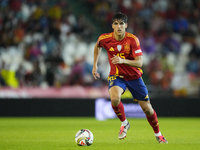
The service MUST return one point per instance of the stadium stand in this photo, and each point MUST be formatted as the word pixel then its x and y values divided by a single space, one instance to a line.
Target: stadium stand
pixel 50 43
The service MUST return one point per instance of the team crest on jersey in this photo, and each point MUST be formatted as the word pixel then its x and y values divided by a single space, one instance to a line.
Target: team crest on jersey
pixel 127 48
pixel 119 47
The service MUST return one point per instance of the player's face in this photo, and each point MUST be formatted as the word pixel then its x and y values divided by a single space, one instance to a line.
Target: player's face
pixel 119 27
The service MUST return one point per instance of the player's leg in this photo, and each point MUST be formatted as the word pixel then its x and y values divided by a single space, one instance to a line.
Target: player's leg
pixel 152 119
pixel 140 92
pixel 116 88
pixel 150 114
pixel 115 96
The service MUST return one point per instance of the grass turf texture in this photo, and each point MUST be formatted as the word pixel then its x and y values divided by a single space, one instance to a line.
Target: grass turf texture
pixel 58 133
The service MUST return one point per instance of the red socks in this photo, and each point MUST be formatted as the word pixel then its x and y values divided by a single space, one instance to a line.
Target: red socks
pixel 153 121
pixel 119 111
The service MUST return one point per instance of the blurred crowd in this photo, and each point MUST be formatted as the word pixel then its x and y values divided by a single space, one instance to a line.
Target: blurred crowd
pixel 44 44
pixel 40 44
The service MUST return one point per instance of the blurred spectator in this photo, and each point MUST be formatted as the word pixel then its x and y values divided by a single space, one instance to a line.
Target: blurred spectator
pixel 34 51
pixel 147 42
pixel 193 64
pixel 180 84
pixel 2 79
pixel 15 5
pixel 195 51
pixel 77 73
pixel 101 10
pixel 50 74
pixel 170 44
pixel 180 24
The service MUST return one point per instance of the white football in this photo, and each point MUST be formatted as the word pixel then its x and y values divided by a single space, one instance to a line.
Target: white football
pixel 84 137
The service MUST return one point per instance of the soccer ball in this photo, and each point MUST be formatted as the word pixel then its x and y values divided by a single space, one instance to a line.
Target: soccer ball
pixel 84 137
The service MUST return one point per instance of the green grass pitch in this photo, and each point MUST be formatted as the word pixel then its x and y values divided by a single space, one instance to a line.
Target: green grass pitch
pixel 57 133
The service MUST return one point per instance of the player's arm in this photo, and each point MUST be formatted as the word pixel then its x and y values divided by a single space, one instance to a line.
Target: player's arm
pixel 97 51
pixel 137 62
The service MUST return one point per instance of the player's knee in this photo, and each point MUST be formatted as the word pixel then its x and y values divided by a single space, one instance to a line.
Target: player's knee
pixel 115 101
pixel 148 111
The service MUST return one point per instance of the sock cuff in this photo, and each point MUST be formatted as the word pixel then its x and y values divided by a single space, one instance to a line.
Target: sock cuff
pixel 158 134
pixel 152 116
pixel 117 105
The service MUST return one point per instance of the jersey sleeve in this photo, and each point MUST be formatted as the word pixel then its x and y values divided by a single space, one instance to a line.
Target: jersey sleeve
pixel 136 50
pixel 98 42
pixel 103 38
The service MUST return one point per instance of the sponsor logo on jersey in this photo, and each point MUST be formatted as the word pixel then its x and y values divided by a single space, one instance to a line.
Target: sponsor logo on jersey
pixel 111 49
pixel 119 47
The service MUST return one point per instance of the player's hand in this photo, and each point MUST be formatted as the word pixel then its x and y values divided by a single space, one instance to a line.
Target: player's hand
pixel 116 60
pixel 95 73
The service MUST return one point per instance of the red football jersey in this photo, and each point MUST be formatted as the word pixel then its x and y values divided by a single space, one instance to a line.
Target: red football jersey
pixel 128 48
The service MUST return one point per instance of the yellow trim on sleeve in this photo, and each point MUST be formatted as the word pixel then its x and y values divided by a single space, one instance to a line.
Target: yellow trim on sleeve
pixel 135 38
pixel 105 36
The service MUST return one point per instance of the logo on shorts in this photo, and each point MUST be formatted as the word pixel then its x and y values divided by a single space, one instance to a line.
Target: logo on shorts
pixel 111 83
pixel 147 96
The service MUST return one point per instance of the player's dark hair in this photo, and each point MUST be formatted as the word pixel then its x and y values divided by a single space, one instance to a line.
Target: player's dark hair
pixel 120 16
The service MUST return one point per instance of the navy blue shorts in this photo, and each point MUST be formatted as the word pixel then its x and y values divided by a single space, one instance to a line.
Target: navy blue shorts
pixel 137 87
